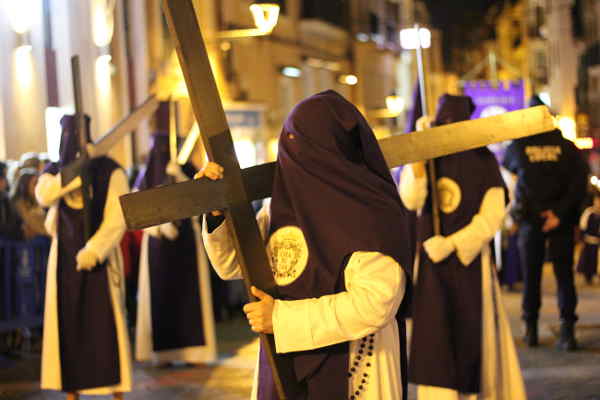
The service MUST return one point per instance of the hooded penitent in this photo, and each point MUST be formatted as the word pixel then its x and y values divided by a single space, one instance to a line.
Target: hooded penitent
pixel 173 270
pixel 88 341
pixel 334 194
pixel 154 174
pixel 446 345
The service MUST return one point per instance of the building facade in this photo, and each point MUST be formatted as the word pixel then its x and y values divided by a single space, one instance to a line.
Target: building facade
pixel 126 54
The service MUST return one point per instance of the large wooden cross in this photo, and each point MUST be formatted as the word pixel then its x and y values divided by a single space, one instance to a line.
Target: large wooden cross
pixel 239 187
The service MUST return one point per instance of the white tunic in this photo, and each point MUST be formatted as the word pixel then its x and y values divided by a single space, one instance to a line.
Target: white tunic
pixel 143 343
pixel 105 243
pixel 501 374
pixel 375 286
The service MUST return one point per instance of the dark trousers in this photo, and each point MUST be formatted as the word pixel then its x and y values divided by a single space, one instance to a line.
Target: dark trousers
pixel 532 245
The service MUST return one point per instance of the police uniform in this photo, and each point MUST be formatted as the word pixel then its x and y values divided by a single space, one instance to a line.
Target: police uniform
pixel 551 176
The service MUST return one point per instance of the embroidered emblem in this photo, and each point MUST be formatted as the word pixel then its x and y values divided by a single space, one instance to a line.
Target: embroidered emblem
pixel 288 254
pixel 450 195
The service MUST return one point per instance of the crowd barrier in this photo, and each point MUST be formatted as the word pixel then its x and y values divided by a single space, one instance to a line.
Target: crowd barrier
pixel 22 282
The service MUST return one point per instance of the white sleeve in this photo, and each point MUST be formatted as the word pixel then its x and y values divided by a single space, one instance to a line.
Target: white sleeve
pixel 585 217
pixel 221 249
pixel 49 189
pixel 375 286
pixel 112 228
pixel 469 240
pixel 412 190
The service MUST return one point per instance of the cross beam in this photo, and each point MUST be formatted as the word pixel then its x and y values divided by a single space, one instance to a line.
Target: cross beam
pixel 156 206
pixel 102 146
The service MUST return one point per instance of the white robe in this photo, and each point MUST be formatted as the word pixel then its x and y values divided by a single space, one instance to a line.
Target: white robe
pixel 105 243
pixel 501 377
pixel 143 343
pixel 375 286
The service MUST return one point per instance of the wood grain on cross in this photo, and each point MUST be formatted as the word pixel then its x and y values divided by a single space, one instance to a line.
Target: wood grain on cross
pixel 239 187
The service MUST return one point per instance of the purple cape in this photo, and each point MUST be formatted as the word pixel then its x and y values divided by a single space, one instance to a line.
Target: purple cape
pixel 333 184
pixel 88 340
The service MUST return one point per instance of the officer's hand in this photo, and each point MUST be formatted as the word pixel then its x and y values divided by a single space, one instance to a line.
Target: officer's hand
pixel 214 172
pixel 551 221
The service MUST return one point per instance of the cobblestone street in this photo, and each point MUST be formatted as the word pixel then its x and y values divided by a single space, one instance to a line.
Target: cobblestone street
pixel 549 374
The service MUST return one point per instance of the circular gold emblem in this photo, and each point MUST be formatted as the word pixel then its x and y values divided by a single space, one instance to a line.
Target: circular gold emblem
pixel 449 194
pixel 288 254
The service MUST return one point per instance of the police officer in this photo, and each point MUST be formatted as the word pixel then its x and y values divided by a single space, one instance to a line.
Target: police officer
pixel 551 184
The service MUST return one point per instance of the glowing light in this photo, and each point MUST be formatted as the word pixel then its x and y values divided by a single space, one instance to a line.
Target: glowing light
pixel 348 79
pixel 265 19
pixel 291 72
pixel 24 66
pixel 568 127
pixel 394 104
pixel 265 16
pixel 409 39
pixel 103 74
pixel 103 22
pixel 273 149
pixel 594 180
pixel 225 46
pixel 584 143
pixel 20 14
pixel 245 151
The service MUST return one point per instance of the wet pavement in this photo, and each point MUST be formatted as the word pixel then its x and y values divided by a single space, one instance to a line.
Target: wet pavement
pixel 549 374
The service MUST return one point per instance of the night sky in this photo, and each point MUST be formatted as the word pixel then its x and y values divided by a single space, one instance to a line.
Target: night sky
pixel 449 12
pixel 462 23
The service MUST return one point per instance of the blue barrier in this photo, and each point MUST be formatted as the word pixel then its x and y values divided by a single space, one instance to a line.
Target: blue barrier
pixel 22 282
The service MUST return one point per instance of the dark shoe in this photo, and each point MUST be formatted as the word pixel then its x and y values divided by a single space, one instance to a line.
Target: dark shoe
pixel 531 334
pixel 567 340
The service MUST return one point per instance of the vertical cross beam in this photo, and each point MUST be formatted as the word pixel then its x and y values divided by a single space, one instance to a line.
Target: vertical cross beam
pixel 208 110
pixel 81 132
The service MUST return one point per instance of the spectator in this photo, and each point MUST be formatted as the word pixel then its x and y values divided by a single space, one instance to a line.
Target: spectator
pixel 589 223
pixel 10 223
pixel 23 199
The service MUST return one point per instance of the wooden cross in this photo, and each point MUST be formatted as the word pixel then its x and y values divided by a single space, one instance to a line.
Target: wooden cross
pixel 239 187
pixel 102 146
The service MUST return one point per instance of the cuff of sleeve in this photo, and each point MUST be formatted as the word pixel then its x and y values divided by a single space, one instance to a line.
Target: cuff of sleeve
pixel 469 241
pixel 290 328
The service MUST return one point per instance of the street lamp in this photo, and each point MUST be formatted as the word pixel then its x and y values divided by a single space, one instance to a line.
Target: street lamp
pixel 265 15
pixel 409 39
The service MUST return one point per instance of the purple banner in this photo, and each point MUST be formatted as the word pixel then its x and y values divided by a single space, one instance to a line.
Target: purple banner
pixel 490 100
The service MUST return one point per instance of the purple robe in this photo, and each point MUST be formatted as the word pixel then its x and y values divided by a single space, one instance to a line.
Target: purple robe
pixel 334 185
pixel 588 260
pixel 89 352
pixel 446 339
pixel 173 269
pixel 511 272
